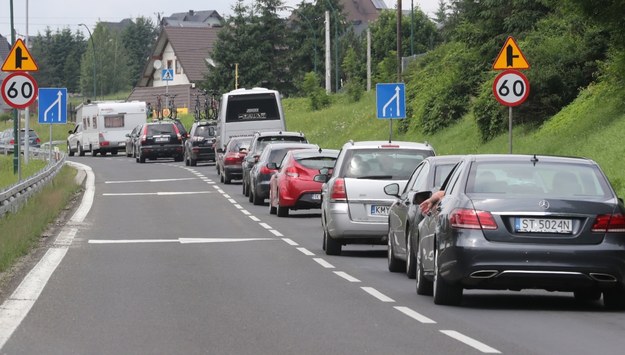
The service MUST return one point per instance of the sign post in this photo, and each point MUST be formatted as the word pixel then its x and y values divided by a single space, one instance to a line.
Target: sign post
pixel 390 102
pixel 511 87
pixel 167 75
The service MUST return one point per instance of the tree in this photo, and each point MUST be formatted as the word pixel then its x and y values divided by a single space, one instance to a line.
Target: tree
pixel 138 39
pixel 58 58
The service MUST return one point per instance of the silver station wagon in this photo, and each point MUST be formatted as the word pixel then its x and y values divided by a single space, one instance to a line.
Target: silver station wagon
pixel 354 207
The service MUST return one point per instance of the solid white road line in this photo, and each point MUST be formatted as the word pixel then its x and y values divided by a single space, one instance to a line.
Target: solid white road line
pixel 150 180
pixel 377 294
pixel 323 263
pixel 179 240
pixel 346 276
pixel 306 251
pixel 158 193
pixel 16 307
pixel 414 315
pixel 470 342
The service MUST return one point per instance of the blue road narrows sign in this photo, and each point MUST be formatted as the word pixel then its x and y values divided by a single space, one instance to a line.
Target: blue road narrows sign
pixel 390 100
pixel 53 105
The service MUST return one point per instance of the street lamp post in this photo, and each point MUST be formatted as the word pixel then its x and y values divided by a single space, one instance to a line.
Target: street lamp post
pixel 336 46
pixel 93 47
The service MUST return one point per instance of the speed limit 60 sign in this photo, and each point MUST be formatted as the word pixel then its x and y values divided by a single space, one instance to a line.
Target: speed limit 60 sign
pixel 511 88
pixel 19 90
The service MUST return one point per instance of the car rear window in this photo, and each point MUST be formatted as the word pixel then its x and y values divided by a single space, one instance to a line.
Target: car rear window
pixel 539 180
pixel 315 160
pixel 161 128
pixel 390 164
pixel 252 107
pixel 236 145
pixel 205 131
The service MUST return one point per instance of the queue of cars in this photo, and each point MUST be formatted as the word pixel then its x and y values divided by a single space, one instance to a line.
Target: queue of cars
pixel 506 222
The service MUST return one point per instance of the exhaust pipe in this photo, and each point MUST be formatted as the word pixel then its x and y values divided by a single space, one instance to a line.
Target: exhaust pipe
pixel 602 277
pixel 484 274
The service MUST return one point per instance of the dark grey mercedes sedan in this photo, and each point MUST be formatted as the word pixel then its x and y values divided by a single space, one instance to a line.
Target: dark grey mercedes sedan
pixel 524 222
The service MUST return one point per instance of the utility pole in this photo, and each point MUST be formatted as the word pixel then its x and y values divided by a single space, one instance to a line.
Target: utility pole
pixel 328 60
pixel 399 41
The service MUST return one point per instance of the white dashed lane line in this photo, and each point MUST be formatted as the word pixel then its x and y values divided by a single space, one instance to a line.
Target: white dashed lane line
pixel 470 342
pixel 370 290
pixel 377 294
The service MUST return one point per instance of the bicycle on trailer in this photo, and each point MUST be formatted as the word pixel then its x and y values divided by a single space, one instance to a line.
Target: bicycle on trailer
pixel 213 110
pixel 159 107
pixel 172 111
pixel 198 110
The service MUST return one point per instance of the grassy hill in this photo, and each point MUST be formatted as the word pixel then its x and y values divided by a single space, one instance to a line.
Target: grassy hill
pixel 593 126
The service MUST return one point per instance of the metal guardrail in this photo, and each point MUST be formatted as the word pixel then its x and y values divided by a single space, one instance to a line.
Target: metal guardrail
pixel 14 196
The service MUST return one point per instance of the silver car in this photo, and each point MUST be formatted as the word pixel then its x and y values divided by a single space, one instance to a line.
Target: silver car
pixel 354 207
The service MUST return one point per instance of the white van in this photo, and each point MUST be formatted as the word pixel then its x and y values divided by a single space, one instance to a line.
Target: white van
pixel 101 127
pixel 245 111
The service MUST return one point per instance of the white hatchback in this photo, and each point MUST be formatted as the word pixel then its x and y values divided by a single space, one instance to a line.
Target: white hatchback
pixel 354 208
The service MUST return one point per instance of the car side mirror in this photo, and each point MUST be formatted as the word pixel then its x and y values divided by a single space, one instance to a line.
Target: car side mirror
pixel 256 158
pixel 392 189
pixel 219 150
pixel 272 166
pixel 421 196
pixel 322 178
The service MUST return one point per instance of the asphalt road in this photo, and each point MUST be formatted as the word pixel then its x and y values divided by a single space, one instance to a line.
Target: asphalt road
pixel 170 261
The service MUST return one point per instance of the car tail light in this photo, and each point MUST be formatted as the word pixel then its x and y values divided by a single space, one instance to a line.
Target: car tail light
pixel 266 171
pixel 338 192
pixel 144 135
pixel 12 141
pixel 103 142
pixel 38 141
pixel 471 219
pixel 606 223
pixel 178 133
pixel 232 160
pixel 292 171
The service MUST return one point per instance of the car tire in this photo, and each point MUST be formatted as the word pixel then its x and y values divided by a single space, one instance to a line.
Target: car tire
pixel 250 195
pixel 333 247
pixel 246 192
pixel 411 268
pixel 69 150
pixel 394 264
pixel 614 299
pixel 193 162
pixel 282 211
pixel 186 159
pixel 114 152
pixel 178 157
pixel 81 152
pixel 226 178
pixel 587 295
pixel 128 155
pixel 141 158
pixel 103 153
pixel 424 286
pixel 444 292
pixel 272 209
pixel 257 201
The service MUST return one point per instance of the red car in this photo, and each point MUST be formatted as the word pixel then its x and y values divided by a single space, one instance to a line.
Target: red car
pixel 292 187
pixel 229 161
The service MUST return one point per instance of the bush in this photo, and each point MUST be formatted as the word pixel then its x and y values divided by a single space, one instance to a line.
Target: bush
pixel 317 95
pixel 5 116
pixel 354 88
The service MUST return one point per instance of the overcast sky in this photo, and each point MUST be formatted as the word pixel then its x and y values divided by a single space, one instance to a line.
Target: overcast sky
pixel 69 13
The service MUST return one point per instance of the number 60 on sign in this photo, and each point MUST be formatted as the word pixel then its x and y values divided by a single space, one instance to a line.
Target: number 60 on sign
pixel 19 90
pixel 511 88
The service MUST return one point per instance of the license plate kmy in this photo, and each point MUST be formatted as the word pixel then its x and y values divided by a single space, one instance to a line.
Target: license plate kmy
pixel 377 210
pixel 543 225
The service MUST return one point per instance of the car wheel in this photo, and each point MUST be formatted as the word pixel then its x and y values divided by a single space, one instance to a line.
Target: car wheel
pixel 114 152
pixel 217 168
pixel 103 153
pixel 257 200
pixel 424 286
pixel 94 153
pixel 444 292
pixel 614 298
pixel 226 178
pixel 178 157
pixel 272 209
pixel 128 154
pixel 245 192
pixel 141 158
pixel 333 247
pixel 587 295
pixel 81 152
pixel 410 257
pixel 394 264
pixel 250 195
pixel 282 211
pixel 193 162
pixel 186 159
pixel 69 150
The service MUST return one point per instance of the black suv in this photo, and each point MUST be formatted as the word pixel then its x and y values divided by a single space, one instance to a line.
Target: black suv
pixel 259 141
pixel 200 145
pixel 160 139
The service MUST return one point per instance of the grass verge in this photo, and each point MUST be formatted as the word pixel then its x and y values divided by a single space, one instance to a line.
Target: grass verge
pixel 7 178
pixel 21 231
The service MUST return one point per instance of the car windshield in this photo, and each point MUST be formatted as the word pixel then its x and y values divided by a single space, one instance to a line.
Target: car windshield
pixel 389 164
pixel 538 180
pixel 264 141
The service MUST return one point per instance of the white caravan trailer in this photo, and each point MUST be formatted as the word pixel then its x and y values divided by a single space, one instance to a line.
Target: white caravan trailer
pixel 101 127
